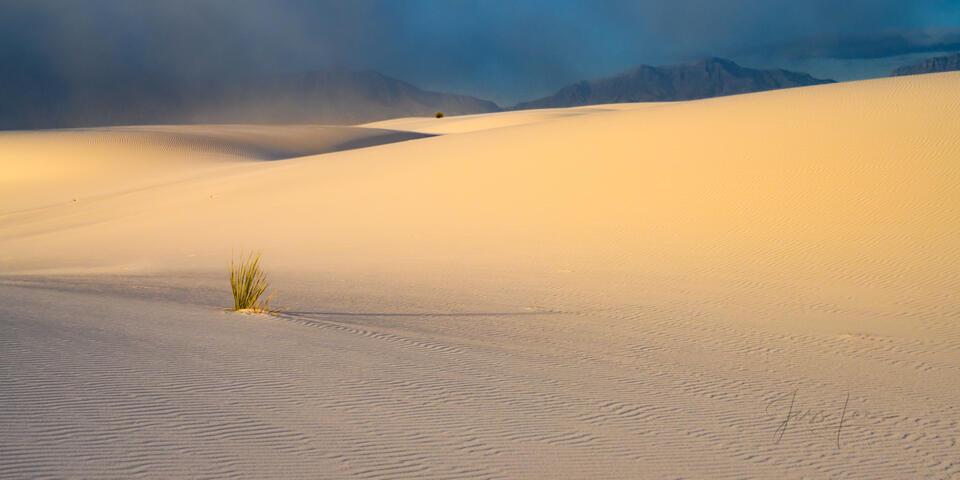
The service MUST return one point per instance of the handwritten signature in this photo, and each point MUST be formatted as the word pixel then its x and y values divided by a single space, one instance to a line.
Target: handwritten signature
pixel 835 418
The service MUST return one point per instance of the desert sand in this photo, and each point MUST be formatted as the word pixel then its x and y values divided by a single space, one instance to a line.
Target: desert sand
pixel 755 286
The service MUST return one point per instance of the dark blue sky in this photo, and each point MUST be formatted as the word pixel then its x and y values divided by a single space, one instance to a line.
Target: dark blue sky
pixel 504 50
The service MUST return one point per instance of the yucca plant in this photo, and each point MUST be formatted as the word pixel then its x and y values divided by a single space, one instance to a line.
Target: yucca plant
pixel 249 282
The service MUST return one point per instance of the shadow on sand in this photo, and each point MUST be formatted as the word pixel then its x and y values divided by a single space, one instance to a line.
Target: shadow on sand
pixel 300 314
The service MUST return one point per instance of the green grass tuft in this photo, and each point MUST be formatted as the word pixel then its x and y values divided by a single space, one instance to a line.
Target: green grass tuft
pixel 248 283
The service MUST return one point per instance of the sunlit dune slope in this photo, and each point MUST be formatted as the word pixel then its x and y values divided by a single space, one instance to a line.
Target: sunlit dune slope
pixel 845 186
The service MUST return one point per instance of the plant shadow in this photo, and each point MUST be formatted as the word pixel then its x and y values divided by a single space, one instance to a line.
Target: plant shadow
pixel 308 314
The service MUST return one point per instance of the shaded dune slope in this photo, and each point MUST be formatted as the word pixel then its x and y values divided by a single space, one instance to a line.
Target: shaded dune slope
pixel 54 166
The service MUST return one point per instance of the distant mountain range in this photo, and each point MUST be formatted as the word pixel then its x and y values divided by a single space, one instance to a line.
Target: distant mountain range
pixel 947 63
pixel 29 100
pixel 330 96
pixel 711 77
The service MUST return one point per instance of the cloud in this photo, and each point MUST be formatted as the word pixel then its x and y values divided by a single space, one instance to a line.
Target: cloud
pixel 503 50
pixel 869 46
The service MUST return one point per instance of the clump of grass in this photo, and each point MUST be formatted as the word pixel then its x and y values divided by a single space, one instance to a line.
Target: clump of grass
pixel 248 283
pixel 439 115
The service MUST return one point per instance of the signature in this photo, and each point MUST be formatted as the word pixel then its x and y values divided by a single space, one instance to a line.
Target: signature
pixel 791 414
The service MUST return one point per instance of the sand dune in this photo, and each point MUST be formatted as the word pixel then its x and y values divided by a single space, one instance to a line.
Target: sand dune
pixel 53 166
pixel 625 291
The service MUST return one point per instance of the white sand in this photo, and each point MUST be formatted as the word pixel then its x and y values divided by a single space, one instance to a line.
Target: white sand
pixel 626 291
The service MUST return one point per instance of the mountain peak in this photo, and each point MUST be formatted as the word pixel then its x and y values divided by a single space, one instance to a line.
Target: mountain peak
pixel 336 96
pixel 946 63
pixel 704 78
pixel 715 61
